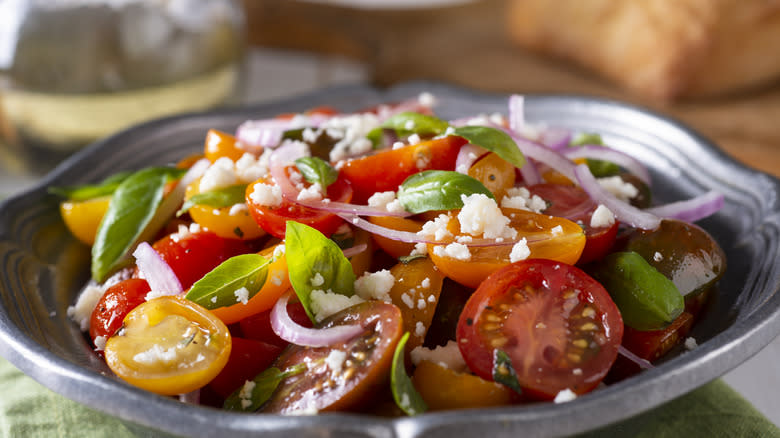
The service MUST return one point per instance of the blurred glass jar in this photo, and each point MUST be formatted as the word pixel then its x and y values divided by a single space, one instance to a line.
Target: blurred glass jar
pixel 73 71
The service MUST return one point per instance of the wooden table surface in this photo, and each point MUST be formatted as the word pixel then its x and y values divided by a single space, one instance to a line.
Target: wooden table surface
pixel 467 45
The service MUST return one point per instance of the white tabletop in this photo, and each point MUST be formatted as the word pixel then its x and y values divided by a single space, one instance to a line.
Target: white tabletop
pixel 273 74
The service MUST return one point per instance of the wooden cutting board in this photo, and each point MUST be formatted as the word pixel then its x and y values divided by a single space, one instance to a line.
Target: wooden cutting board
pixel 467 45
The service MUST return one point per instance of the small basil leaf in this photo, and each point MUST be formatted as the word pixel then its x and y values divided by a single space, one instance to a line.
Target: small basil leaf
pixel 224 197
pixel 293 134
pixel 221 286
pixel 438 190
pixel 647 300
pixel 407 123
pixel 132 207
pixel 409 258
pixel 601 168
pixel 404 393
pixel 91 191
pixel 503 372
pixel 586 138
pixel 494 140
pixel 251 396
pixel 317 170
pixel 310 253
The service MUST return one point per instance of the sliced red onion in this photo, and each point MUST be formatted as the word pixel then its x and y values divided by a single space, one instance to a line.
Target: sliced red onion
pixel 643 363
pixel 530 173
pixel 604 153
pixel 288 152
pixel 544 155
pixel 555 138
pixel 468 154
pixel 692 209
pixel 623 211
pixel 414 105
pixel 355 250
pixel 192 398
pixel 161 278
pixel 267 133
pixel 292 332
pixel 516 112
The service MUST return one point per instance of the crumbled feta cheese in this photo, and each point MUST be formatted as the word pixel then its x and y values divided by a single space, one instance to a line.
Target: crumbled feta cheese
pixel 245 395
pixel 375 285
pixel 454 250
pixel 326 303
pixel 602 217
pixel 335 360
pixel 279 251
pixel 409 125
pixel 156 354
pixel 690 343
pixel 426 283
pixel 520 198
pixel 419 329
pixel 557 230
pixel 407 299
pixel 353 129
pixel 237 209
pixel 447 356
pixel 81 312
pixel 221 173
pixel 619 188
pixel 250 168
pixel 387 201
pixel 276 279
pixel 317 280
pixel 436 228
pixel 520 251
pixel 480 215
pixel 311 193
pixel 100 343
pixel 398 145
pixel 420 248
pixel 242 295
pixel 421 304
pixel 565 395
pixel 658 256
pixel 268 195
pixel 414 139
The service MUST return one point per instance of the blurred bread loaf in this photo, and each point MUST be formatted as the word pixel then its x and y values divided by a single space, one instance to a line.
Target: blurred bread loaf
pixel 659 49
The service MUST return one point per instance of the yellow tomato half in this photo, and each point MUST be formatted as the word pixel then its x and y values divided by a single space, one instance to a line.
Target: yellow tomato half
pixel 219 144
pixel 83 217
pixel 169 346
pixel 443 388
pixel 238 225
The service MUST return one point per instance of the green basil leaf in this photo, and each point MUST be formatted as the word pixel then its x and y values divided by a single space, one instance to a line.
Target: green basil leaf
pixel 438 190
pixel 224 197
pixel 222 286
pixel 310 253
pixel 409 258
pixel 407 123
pixel 586 138
pixel 251 396
pixel 647 300
pixel 494 140
pixel 317 170
pixel 404 393
pixel 132 207
pixel 601 168
pixel 91 191
pixel 503 372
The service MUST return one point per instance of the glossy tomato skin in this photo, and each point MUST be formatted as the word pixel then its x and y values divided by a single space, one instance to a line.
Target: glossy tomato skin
pixel 574 204
pixel 248 358
pixel 387 169
pixel 364 372
pixel 117 301
pixel 274 219
pixel 194 255
pixel 558 326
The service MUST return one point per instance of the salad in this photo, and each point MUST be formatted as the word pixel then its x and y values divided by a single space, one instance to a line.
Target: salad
pixel 389 261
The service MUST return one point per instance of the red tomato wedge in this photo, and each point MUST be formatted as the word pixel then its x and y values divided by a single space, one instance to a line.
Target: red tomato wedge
pixel 558 326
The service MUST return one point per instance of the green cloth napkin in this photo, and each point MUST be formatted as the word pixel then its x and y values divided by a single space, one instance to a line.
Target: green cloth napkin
pixel 29 410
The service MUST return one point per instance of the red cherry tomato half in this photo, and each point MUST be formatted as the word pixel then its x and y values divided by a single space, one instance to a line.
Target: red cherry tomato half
pixel 194 255
pixel 117 301
pixel 248 358
pixel 558 326
pixel 274 219
pixel 574 204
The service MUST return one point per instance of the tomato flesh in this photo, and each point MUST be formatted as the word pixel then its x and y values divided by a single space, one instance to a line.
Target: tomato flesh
pixel 248 358
pixel 364 370
pixel 116 302
pixel 558 326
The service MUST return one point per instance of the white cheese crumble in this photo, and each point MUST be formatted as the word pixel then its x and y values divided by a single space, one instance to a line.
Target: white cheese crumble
pixel 335 360
pixel 565 395
pixel 268 195
pixel 100 343
pixel 386 201
pixel 245 395
pixel 690 343
pixel 658 256
pixel 419 329
pixel 454 250
pixel 436 228
pixel 250 168
pixel 602 217
pixel 480 215
pixel 520 198
pixel 426 283
pixel 520 251
pixel 242 295
pixel 375 285
pixel 413 139
pixel 317 280
pixel 351 131
pixel 81 312
pixel 620 189
pixel 156 354
pixel 311 193
pixel 221 173
pixel 420 248
pixel 557 230
pixel 447 356
pixel 237 209
pixel 326 303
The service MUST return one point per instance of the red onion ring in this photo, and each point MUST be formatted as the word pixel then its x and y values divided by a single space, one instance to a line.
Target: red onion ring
pixel 288 152
pixel 267 133
pixel 623 211
pixel 355 250
pixel 516 112
pixel 691 210
pixel 555 138
pixel 292 332
pixel 530 173
pixel 643 363
pixel 468 154
pixel 161 278
pixel 611 155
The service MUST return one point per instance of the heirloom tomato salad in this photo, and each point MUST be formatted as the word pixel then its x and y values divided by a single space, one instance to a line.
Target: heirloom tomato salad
pixel 390 262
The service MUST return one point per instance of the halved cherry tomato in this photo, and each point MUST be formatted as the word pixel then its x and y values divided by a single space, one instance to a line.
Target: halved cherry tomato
pixel 83 217
pixel 277 282
pixel 169 345
pixel 442 388
pixel 194 255
pixel 117 301
pixel 394 247
pixel 274 219
pixel 558 326
pixel 248 358
pixel 387 169
pixel 364 371
pixel 224 222
pixel 220 144
pixel 574 204
pixel 565 245
pixel 495 173
pixel 258 326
